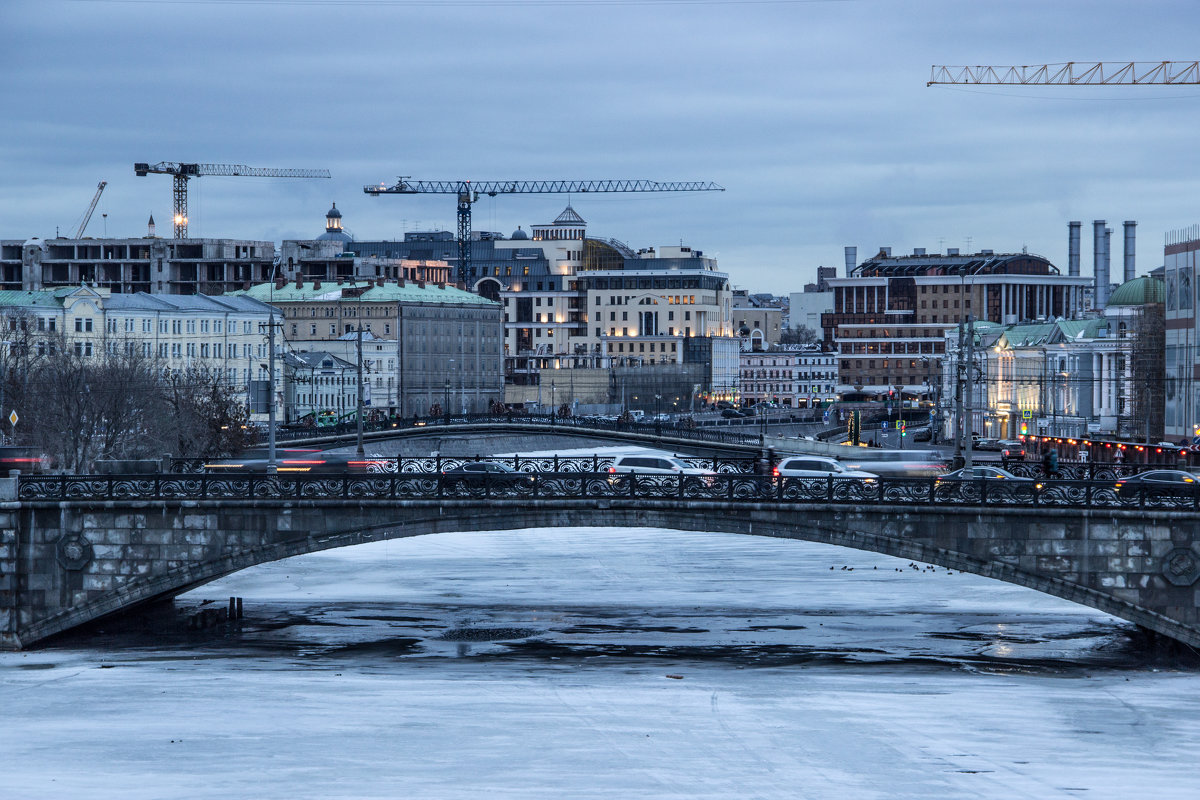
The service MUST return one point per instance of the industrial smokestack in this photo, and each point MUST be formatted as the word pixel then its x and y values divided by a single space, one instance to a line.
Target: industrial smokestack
pixel 1100 264
pixel 851 259
pixel 1130 248
pixel 1073 247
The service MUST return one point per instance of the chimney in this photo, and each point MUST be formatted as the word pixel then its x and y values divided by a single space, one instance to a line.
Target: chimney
pixel 1100 266
pixel 280 282
pixel 246 286
pixel 462 287
pixel 299 281
pixel 441 284
pixel 1073 247
pixel 1130 248
pixel 851 259
pixel 420 284
pixel 316 284
pixel 400 281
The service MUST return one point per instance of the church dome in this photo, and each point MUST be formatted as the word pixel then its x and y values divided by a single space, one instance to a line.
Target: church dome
pixel 519 234
pixel 1138 292
pixel 333 213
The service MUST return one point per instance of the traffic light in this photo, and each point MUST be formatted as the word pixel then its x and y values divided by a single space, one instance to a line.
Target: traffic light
pixel 903 429
pixel 1024 428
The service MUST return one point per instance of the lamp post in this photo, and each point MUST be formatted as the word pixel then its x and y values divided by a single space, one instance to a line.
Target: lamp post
pixel 553 401
pixel 657 418
pixel 446 408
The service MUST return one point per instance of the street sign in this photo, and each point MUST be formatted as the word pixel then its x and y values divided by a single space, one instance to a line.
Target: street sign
pixel 1026 414
pixel 12 418
pixel 883 426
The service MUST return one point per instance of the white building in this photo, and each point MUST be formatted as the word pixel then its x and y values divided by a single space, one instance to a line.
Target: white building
pixel 793 378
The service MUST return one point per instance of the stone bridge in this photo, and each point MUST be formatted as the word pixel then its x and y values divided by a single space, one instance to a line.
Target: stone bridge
pixel 77 548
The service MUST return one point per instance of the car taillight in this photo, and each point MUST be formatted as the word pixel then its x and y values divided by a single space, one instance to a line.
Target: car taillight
pixel 612 470
pixel 775 472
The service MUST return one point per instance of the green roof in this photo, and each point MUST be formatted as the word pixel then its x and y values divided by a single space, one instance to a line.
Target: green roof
pixel 410 292
pixel 1138 292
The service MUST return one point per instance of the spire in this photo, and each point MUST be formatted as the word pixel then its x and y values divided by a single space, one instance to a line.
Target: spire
pixel 150 226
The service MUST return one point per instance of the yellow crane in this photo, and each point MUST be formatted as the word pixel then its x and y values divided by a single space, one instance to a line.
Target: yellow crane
pixel 1072 73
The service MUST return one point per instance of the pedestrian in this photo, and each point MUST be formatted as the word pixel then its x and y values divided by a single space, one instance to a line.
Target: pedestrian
pixel 1046 462
pixel 1054 462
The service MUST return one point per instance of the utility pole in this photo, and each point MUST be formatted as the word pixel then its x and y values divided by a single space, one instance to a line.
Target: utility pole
pixel 970 387
pixel 958 398
pixel 272 465
pixel 359 416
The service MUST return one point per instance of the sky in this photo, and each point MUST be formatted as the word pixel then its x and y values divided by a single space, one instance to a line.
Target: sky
pixel 814 115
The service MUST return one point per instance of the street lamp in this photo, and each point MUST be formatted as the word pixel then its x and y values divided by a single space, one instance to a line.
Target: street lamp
pixel 657 418
pixel 446 408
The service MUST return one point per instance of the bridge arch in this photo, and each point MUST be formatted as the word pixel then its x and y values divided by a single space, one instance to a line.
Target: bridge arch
pixel 953 538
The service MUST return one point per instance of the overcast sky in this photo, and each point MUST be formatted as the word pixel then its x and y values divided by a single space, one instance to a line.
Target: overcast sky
pixel 813 115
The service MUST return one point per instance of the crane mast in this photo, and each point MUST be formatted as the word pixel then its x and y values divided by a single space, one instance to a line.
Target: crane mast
pixel 468 192
pixel 1072 73
pixel 182 172
pixel 87 216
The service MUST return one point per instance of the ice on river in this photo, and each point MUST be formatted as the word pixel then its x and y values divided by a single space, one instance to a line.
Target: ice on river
pixel 602 663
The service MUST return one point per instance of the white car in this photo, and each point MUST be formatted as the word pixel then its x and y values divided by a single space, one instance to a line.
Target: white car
pixel 820 467
pixel 656 465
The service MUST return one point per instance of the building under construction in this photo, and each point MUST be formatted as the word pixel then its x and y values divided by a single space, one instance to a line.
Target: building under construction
pixel 148 264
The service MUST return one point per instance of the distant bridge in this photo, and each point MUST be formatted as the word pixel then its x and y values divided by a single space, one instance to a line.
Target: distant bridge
pixel 77 548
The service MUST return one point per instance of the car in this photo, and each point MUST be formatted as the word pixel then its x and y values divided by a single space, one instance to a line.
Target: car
pixel 1158 482
pixel 732 413
pixel 1011 449
pixel 820 467
pixel 293 460
pixel 13 457
pixel 485 473
pixel 724 404
pixel 999 481
pixel 656 465
pixel 987 444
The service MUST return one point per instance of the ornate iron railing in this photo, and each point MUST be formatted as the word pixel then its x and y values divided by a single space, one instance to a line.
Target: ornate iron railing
pixel 550 463
pixel 724 487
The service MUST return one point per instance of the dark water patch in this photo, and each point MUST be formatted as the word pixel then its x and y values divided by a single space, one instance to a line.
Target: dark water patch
pixel 36 666
pixel 752 628
pixel 399 647
pixel 600 628
pixel 486 634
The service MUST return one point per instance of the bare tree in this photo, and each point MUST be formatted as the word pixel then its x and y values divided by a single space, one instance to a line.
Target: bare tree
pixel 204 415
pixel 800 335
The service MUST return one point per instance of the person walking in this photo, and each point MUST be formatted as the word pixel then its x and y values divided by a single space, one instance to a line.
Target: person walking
pixel 1054 463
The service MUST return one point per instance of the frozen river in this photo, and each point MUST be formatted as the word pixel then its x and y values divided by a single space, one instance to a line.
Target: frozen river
pixel 589 663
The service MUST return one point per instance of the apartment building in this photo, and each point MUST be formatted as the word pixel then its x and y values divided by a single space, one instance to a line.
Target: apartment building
pixel 891 313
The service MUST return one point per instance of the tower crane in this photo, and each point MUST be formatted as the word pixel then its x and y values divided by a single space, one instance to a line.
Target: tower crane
pixel 87 216
pixel 182 172
pixel 469 192
pixel 1073 73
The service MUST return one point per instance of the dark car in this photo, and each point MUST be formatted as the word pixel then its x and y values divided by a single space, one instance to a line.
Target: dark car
pixel 731 413
pixel 970 481
pixel 19 458
pixel 485 473
pixel 1011 450
pixel 1158 483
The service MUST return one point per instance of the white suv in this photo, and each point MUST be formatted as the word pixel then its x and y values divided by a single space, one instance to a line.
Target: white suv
pixel 656 465
pixel 819 467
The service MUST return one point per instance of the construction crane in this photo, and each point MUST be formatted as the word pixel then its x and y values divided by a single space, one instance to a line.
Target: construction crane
pixel 1074 73
pixel 87 216
pixel 468 192
pixel 182 172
